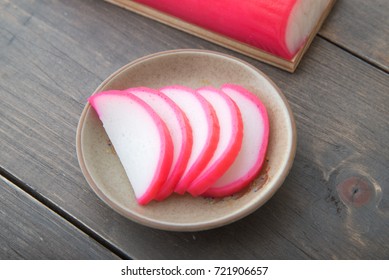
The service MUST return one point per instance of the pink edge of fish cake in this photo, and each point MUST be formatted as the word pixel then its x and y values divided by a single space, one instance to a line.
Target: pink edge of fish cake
pixel 230 140
pixel 179 129
pixel 250 159
pixel 129 120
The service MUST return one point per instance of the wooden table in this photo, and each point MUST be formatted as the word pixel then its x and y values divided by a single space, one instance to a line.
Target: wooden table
pixel 333 205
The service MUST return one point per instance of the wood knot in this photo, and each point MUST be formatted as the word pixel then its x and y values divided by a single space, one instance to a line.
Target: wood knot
pixel 355 191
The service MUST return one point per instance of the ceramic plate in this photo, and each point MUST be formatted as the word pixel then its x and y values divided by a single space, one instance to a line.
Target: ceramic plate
pixel 194 68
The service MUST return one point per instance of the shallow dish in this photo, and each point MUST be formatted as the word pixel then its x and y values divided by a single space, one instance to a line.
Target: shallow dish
pixel 194 68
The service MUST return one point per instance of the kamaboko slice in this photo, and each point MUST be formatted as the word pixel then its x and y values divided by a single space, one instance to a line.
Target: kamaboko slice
pixel 180 131
pixel 140 138
pixel 280 27
pixel 205 131
pixel 230 140
pixel 251 156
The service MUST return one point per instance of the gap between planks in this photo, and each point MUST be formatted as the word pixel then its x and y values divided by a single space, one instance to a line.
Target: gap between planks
pixel 360 57
pixel 63 214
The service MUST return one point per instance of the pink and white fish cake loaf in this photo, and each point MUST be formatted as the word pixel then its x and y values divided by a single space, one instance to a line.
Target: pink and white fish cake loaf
pixel 280 27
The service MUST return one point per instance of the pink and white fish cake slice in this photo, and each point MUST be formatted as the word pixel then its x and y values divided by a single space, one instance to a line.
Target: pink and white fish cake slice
pixel 140 138
pixel 179 129
pixel 205 130
pixel 230 140
pixel 252 154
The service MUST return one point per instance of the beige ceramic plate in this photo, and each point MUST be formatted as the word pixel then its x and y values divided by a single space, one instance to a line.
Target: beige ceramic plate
pixel 193 68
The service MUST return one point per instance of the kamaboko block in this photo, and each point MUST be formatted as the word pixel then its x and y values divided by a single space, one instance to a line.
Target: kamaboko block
pixel 280 27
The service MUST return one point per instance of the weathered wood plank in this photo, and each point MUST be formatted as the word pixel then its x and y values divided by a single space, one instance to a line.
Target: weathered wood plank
pixel 361 27
pixel 29 230
pixel 340 104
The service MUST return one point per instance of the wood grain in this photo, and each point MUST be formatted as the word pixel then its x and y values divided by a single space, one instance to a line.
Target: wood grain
pixel 53 54
pixel 361 27
pixel 28 230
